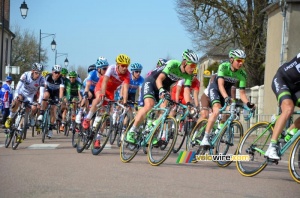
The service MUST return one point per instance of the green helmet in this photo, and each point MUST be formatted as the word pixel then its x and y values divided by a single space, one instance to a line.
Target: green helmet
pixel 72 74
pixel 64 71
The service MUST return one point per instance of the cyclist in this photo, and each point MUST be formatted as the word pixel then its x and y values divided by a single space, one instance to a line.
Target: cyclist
pixel 220 89
pixel 54 89
pixel 286 86
pixel 27 87
pixel 6 97
pixel 72 94
pixel 114 77
pixel 89 83
pixel 161 62
pixel 158 85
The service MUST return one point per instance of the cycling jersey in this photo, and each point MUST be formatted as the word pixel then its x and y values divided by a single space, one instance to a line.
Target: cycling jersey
pixel 173 74
pixel 195 86
pixel 93 76
pixel 286 82
pixel 27 87
pixel 135 84
pixel 71 89
pixel 53 86
pixel 230 77
pixel 114 81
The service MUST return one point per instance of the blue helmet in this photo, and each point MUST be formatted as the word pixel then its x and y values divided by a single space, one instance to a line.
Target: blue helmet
pixel 101 63
pixel 8 78
pixel 136 67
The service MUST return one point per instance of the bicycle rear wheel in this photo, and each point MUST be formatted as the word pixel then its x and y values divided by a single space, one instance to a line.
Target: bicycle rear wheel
pixel 254 144
pixel 103 132
pixel 45 127
pixel 196 136
pixel 228 141
pixel 75 131
pixel 294 161
pixel 127 150
pixel 180 138
pixel 160 151
pixel 113 134
pixel 82 140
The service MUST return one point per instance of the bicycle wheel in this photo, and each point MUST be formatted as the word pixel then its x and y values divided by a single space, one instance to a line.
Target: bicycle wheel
pixel 253 144
pixel 16 140
pixel 113 134
pixel 103 132
pixel 228 141
pixel 82 140
pixel 8 137
pixel 45 127
pixel 196 136
pixel 180 138
pixel 120 128
pixel 75 131
pixel 160 151
pixel 294 161
pixel 127 150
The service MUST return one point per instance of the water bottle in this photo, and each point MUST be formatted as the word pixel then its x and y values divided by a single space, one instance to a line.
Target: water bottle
pixel 115 116
pixel 96 121
pixel 290 134
pixel 245 113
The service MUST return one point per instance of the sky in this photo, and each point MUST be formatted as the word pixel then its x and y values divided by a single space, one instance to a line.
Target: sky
pixel 85 30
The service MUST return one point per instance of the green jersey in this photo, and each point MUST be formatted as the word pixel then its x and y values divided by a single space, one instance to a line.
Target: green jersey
pixel 71 88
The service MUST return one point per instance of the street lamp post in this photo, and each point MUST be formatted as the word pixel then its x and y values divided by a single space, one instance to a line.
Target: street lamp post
pixel 66 62
pixel 24 9
pixel 53 43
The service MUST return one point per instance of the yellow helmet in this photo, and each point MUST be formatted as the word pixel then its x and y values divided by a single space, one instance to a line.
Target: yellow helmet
pixel 45 73
pixel 195 72
pixel 206 73
pixel 123 59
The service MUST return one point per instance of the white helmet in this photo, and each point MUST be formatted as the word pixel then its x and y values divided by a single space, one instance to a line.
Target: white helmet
pixel 237 54
pixel 190 56
pixel 56 68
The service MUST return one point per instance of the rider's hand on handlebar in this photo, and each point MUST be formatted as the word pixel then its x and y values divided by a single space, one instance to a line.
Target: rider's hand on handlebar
pixel 227 100
pixel 250 105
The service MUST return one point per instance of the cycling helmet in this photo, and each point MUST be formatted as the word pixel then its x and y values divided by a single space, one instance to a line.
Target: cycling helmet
pixel 101 58
pixel 161 62
pixel 91 68
pixel 123 59
pixel 56 68
pixel 195 72
pixel 73 74
pixel 190 56
pixel 64 71
pixel 237 54
pixel 101 63
pixel 8 78
pixel 37 67
pixel 45 73
pixel 136 67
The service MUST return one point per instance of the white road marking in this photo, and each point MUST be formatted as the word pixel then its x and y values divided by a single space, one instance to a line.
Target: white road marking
pixel 43 146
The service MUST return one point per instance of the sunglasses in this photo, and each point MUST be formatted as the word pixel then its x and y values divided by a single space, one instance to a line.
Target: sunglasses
pixel 137 71
pixel 240 60
pixel 37 72
pixel 105 68
pixel 57 72
pixel 71 77
pixel 124 66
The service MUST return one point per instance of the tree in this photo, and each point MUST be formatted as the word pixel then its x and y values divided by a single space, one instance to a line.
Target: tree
pixel 237 23
pixel 25 49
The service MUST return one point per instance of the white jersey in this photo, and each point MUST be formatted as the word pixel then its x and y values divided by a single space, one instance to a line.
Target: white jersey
pixel 27 86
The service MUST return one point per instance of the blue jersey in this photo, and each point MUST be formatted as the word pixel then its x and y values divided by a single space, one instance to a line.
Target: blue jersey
pixel 93 77
pixel 135 84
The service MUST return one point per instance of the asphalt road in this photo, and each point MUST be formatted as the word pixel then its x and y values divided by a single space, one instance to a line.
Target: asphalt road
pixel 55 169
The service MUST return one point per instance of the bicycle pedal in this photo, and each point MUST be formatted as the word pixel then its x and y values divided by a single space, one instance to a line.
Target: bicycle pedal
pixel 272 161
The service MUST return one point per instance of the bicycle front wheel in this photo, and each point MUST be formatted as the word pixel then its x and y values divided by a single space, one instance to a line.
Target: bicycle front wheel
pixel 294 161
pixel 228 141
pixel 254 144
pixel 127 150
pixel 196 136
pixel 8 138
pixel 45 127
pixel 162 141
pixel 180 138
pixel 102 134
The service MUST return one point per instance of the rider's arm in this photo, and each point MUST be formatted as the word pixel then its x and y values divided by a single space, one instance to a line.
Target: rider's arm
pixel 221 83
pixel 125 88
pixel 187 94
pixel 243 96
pixel 196 97
pixel 121 91
pixel 177 94
pixel 42 89
pixel 161 77
pixel 104 84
